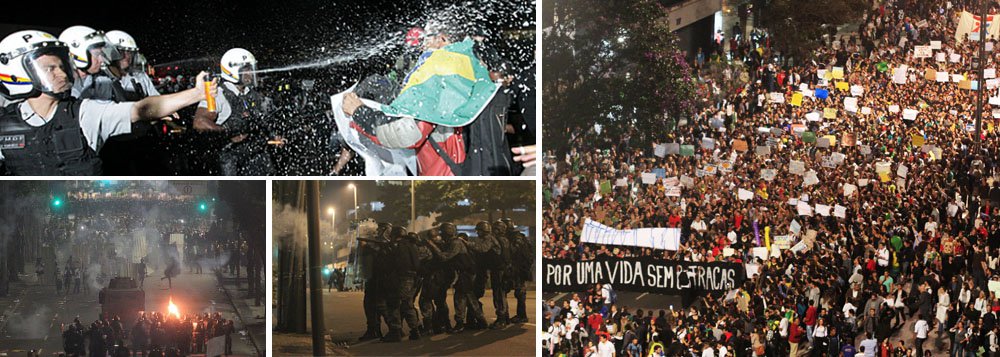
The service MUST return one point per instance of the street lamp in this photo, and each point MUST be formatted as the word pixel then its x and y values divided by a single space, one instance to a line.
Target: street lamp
pixel 333 228
pixel 357 233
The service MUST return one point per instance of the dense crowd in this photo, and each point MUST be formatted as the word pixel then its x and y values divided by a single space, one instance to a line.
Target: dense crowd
pixel 910 260
pixel 153 334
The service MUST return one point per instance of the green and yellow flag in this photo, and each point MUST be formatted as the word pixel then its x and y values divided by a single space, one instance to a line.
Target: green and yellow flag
pixel 448 86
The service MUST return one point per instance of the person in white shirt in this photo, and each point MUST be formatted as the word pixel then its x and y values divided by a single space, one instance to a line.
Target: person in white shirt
pixel 699 225
pixel 605 348
pixel 571 322
pixel 723 351
pixel 982 304
pixel 920 329
pixel 883 256
pixel 708 351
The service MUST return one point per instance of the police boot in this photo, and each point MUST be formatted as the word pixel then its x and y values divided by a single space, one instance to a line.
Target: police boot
pixel 392 336
pixel 519 320
pixel 442 328
pixel 459 327
pixel 414 335
pixel 498 324
pixel 371 334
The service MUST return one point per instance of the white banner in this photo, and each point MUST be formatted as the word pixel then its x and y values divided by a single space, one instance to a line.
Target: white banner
pixel 658 238
pixel 969 24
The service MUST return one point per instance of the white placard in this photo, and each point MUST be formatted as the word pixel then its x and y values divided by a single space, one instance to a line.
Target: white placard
pixel 804 209
pixel 840 211
pixel 851 104
pixel 910 114
pixel 849 189
pixel 796 167
pixel 883 167
pixel 823 210
pixel 745 195
pixel 810 178
pixel 922 51
pixel 660 150
pixel 648 178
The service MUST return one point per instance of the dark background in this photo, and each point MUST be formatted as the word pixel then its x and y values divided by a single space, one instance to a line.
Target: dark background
pixel 277 32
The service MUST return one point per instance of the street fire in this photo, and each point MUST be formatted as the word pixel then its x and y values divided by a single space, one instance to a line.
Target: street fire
pixel 172 309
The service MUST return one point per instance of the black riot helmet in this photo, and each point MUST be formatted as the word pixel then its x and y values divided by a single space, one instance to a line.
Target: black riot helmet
pixel 483 227
pixel 396 232
pixel 448 230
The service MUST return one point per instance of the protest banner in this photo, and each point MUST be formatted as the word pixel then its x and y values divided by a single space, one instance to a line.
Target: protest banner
pixel 656 238
pixel 642 274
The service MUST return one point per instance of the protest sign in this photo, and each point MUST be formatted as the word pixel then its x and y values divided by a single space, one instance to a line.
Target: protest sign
pixel 642 274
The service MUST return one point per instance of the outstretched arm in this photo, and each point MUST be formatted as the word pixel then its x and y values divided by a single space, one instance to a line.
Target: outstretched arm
pixel 153 108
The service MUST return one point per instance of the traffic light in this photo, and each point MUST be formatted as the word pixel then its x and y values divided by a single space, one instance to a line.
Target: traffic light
pixel 57 202
pixel 203 207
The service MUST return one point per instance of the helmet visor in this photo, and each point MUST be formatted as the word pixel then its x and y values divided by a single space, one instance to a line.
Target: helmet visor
pixel 248 74
pixel 50 71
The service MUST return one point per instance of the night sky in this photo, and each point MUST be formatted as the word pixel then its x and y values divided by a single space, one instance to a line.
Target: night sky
pixel 277 32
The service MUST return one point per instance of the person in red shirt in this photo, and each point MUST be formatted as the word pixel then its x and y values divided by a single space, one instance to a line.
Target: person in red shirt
pixel 595 321
pixel 794 337
pixel 675 220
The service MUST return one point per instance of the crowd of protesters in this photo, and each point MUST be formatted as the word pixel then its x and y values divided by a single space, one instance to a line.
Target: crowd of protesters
pixel 153 334
pixel 906 271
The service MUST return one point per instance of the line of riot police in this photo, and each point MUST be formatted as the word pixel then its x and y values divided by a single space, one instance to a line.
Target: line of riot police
pixel 401 269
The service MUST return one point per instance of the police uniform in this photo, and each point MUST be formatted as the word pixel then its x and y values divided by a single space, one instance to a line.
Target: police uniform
pixel 127 154
pixel 499 279
pixel 374 286
pixel 98 86
pixel 64 144
pixel 435 281
pixel 523 256
pixel 139 83
pixel 459 259
pixel 406 260
pixel 242 112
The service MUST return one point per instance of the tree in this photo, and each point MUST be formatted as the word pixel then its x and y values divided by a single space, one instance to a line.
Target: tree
pixel 443 197
pixel 617 64
pixel 798 27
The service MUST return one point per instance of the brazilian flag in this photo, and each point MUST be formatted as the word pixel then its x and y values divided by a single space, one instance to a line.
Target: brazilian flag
pixel 448 86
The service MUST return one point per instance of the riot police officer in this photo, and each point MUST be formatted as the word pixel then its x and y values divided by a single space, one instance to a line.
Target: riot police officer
pixel 370 252
pixel 240 115
pixel 437 278
pixel 52 133
pixel 135 153
pixel 131 68
pixel 405 261
pixel 522 257
pixel 458 257
pixel 499 275
pixel 91 57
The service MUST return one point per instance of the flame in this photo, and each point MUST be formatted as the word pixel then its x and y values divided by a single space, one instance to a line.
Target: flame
pixel 172 309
